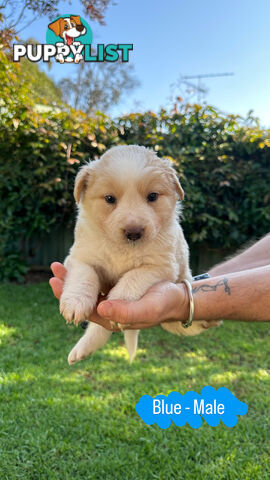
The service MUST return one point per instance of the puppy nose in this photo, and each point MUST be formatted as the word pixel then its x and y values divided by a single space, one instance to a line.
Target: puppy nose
pixel 79 28
pixel 134 233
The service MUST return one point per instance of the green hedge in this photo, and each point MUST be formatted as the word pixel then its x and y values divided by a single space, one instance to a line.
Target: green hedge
pixel 223 163
pixel 224 166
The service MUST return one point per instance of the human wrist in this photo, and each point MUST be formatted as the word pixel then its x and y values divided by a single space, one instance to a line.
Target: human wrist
pixel 181 303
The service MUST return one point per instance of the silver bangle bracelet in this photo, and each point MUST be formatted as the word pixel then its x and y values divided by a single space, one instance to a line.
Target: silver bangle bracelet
pixel 188 323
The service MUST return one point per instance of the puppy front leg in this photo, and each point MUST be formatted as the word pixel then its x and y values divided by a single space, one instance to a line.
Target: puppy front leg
pixel 78 56
pixel 135 283
pixel 132 286
pixel 80 292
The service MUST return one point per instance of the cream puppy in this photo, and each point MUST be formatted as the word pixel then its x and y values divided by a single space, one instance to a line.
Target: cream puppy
pixel 127 238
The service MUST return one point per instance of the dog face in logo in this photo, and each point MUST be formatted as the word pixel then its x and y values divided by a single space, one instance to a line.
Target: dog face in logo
pixel 68 28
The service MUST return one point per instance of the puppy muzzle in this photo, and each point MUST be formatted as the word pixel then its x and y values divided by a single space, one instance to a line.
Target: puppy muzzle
pixel 133 234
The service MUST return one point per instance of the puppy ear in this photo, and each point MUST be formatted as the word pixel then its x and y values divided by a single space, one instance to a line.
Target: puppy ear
pixel 172 177
pixel 55 27
pixel 76 18
pixel 178 187
pixel 82 181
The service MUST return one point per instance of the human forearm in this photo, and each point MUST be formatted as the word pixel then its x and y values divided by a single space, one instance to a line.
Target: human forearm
pixel 242 296
pixel 258 255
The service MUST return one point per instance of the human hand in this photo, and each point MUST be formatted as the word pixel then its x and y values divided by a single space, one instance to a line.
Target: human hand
pixel 164 301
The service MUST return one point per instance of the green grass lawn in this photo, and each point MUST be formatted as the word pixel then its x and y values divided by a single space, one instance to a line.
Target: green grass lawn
pixel 67 423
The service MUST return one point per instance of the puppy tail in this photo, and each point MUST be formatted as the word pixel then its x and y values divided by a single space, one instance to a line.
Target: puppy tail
pixel 131 340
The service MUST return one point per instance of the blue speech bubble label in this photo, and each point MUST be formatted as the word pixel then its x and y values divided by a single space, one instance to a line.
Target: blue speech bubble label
pixel 211 405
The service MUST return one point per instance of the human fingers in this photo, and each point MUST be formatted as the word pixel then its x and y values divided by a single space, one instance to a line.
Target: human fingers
pixel 58 270
pixel 56 286
pixel 149 309
pixel 104 322
pixel 117 326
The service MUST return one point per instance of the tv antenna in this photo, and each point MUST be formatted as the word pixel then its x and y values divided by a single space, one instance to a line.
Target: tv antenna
pixel 200 88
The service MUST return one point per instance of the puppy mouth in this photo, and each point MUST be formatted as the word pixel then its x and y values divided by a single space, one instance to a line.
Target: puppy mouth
pixel 134 243
pixel 69 40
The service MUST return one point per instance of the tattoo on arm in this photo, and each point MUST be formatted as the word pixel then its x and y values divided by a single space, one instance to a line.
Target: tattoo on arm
pixel 205 287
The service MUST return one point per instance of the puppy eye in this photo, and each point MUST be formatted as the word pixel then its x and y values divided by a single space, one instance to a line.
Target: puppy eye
pixel 66 27
pixel 72 24
pixel 110 199
pixel 152 197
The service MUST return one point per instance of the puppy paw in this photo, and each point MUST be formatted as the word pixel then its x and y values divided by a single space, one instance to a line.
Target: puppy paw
pixel 80 351
pixel 118 293
pixel 210 324
pixel 196 328
pixel 200 326
pixel 94 338
pixel 76 308
pixel 78 58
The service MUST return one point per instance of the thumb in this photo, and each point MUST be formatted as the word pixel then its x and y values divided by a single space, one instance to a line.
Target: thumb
pixel 128 312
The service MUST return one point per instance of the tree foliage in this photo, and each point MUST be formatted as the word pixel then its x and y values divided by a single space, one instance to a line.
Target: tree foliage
pixel 98 86
pixel 42 86
pixel 19 13
pixel 16 15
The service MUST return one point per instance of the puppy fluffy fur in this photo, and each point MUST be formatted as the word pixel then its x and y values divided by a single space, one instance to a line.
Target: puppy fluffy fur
pixel 103 257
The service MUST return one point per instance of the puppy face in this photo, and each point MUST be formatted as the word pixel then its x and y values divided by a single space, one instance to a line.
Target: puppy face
pixel 68 28
pixel 129 194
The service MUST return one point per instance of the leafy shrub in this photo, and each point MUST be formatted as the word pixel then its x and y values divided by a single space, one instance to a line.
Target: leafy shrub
pixel 37 174
pixel 39 157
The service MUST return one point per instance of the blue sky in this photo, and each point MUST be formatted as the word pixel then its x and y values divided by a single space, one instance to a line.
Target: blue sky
pixel 181 37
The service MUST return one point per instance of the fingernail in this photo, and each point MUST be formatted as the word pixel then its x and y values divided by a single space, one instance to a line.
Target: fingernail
pixel 105 309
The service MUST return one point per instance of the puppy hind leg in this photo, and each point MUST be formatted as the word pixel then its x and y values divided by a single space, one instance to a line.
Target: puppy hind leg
pixel 196 328
pixel 131 341
pixel 94 338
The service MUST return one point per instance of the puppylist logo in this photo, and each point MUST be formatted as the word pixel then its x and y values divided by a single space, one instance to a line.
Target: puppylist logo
pixel 69 39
